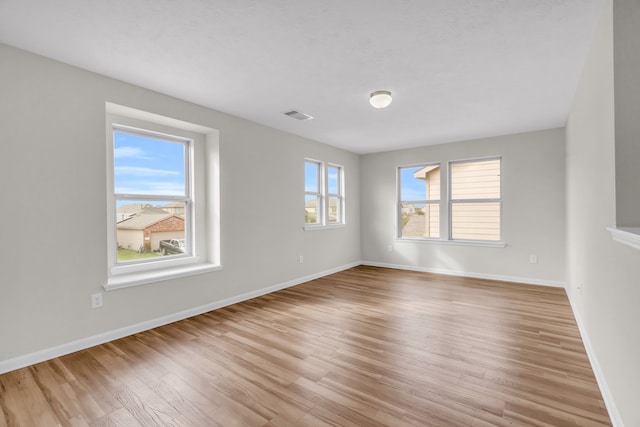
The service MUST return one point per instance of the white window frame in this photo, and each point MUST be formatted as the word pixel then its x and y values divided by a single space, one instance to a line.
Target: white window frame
pixel 426 202
pixel 202 227
pixel 339 195
pixel 451 201
pixel 323 196
pixel 187 199
pixel 445 206
pixel 319 195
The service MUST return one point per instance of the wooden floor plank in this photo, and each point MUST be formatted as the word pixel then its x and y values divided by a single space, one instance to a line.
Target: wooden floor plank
pixel 24 402
pixel 366 346
pixel 118 418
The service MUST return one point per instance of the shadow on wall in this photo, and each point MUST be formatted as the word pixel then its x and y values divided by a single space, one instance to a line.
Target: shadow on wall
pixel 413 254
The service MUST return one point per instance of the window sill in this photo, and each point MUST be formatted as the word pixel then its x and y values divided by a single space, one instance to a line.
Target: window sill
pixel 486 244
pixel 143 278
pixel 322 227
pixel 627 236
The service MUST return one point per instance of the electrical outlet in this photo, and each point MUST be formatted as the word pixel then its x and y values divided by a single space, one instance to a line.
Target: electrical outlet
pixel 533 259
pixel 301 259
pixel 579 287
pixel 389 248
pixel 96 300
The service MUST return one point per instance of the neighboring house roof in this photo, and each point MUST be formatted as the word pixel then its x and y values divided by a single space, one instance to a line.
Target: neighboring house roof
pixel 132 208
pixel 422 173
pixel 153 210
pixel 140 222
pixel 143 209
pixel 172 205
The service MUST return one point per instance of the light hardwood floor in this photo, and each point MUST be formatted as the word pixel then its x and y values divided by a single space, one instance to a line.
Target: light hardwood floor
pixel 364 347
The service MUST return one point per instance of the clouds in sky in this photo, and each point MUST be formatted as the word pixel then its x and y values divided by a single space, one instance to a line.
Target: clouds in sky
pixel 146 165
pixel 140 171
pixel 125 152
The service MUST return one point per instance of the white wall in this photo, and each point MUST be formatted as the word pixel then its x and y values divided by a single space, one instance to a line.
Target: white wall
pixel 533 209
pixel 53 207
pixel 608 304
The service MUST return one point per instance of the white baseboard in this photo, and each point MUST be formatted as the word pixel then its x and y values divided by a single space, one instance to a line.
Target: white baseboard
pixel 614 414
pixel 84 343
pixel 517 279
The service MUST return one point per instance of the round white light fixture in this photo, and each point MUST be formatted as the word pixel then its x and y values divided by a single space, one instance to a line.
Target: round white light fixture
pixel 380 99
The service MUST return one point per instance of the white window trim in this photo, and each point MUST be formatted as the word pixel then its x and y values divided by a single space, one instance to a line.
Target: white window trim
pixel 323 196
pixel 339 195
pixel 319 195
pixel 629 236
pixel 204 181
pixel 426 202
pixel 445 207
pixel 451 201
pixel 189 143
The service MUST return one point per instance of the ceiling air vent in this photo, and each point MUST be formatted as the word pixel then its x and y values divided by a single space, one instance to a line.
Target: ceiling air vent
pixel 298 115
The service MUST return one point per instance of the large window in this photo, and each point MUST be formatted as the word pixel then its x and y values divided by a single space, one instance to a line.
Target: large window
pixel 323 194
pixel 152 195
pixel 470 210
pixel 162 198
pixel 419 206
pixel 475 199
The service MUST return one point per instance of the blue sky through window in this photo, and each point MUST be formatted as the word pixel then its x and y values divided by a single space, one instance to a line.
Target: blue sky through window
pixel 311 171
pixel 148 166
pixel 411 188
pixel 332 177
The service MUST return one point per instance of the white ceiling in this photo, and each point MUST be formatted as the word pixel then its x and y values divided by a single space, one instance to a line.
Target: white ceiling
pixel 458 69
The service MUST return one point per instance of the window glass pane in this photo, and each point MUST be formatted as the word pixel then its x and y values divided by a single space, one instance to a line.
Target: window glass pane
pixel 475 180
pixel 147 229
pixel 311 177
pixel 149 166
pixel 475 221
pixel 334 212
pixel 420 183
pixel 420 220
pixel 333 180
pixel 311 206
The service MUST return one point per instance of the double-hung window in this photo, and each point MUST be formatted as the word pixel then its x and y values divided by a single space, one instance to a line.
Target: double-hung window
pixel 475 200
pixel 419 204
pixel 335 199
pixel 162 198
pixel 152 195
pixel 313 193
pixel 323 194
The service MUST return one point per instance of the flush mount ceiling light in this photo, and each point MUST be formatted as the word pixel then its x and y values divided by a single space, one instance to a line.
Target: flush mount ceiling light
pixel 380 99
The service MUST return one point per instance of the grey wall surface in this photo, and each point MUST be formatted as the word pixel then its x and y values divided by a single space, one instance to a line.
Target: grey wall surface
pixel 602 275
pixel 533 208
pixel 53 175
pixel 626 16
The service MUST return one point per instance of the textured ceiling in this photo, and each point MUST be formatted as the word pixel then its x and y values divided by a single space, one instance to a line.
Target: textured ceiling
pixel 458 69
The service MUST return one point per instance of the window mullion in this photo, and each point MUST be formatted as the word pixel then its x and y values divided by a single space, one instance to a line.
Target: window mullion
pixel 151 197
pixel 476 200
